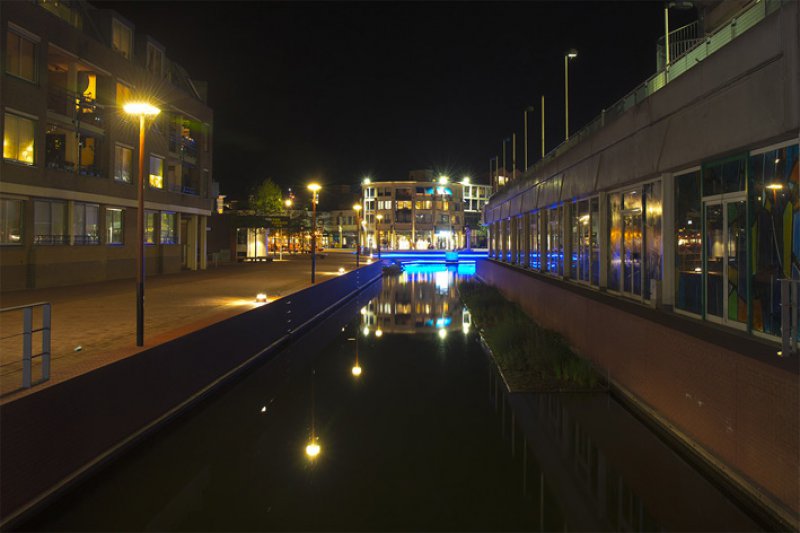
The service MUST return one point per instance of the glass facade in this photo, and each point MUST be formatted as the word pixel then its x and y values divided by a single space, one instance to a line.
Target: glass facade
pixel 11 221
pixel 688 243
pixel 734 232
pixel 774 223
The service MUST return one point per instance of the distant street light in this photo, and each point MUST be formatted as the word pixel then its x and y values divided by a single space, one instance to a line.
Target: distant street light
pixel 379 218
pixel 357 209
pixel 571 54
pixel 525 121
pixel 314 188
pixel 142 110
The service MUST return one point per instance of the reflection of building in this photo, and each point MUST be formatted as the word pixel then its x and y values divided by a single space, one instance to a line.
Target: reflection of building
pixel 683 197
pixel 69 187
pixel 417 302
pixel 423 212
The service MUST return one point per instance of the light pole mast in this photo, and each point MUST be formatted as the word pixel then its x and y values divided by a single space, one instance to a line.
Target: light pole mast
pixel 314 188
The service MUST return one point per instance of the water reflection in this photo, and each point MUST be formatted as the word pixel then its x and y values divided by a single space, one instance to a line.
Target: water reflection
pixel 423 299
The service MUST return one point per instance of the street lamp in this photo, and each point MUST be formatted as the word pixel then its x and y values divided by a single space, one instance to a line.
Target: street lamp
pixel 357 209
pixel 377 227
pixel 142 110
pixel 525 120
pixel 288 203
pixel 314 188
pixel 571 54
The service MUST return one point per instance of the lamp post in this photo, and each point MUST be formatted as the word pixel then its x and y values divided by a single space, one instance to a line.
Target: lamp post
pixel 443 180
pixel 357 209
pixel 525 120
pixel 288 204
pixel 379 218
pixel 142 110
pixel 571 54
pixel 314 188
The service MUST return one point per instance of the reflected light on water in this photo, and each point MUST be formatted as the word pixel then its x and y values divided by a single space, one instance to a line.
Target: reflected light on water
pixel 378 332
pixel 356 370
pixel 442 333
pixel 366 331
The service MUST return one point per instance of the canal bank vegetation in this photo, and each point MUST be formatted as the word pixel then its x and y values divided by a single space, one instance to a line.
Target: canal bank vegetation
pixel 531 358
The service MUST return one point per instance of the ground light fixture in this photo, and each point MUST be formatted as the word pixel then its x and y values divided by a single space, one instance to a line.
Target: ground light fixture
pixel 261 297
pixel 379 333
pixel 442 333
pixel 341 270
pixel 141 110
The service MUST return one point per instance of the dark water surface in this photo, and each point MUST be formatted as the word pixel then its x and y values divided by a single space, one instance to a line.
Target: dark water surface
pixel 423 439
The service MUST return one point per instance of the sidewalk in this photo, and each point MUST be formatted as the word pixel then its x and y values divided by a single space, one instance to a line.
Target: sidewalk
pixel 94 325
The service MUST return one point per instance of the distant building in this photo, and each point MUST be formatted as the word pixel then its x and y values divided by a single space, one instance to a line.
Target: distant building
pixel 68 179
pixel 417 213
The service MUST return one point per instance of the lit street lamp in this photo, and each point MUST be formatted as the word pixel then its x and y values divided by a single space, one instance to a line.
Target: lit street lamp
pixel 571 54
pixel 378 231
pixel 357 209
pixel 314 188
pixel 142 110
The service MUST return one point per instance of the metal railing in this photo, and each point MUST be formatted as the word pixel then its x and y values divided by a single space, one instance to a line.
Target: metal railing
pixel 703 47
pixel 27 341
pixel 76 106
pixel 789 316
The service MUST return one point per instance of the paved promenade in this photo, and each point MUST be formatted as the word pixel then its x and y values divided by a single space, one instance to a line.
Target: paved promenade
pixel 94 325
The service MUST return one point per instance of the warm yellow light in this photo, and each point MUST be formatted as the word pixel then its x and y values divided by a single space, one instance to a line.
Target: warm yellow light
pixel 366 331
pixel 466 180
pixel 379 333
pixel 775 186
pixel 341 270
pixel 443 179
pixel 314 187
pixel 379 217
pixel 312 450
pixel 356 370
pixel 357 207
pixel 367 181
pixel 261 297
pixel 288 202
pixel 141 108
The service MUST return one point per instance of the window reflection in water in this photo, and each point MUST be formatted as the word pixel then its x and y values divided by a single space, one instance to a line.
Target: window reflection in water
pixel 422 299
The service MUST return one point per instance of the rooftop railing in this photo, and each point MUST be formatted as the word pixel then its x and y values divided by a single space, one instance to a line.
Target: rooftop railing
pixel 692 54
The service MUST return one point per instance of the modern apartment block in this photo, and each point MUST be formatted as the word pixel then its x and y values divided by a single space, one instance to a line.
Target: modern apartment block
pixel 663 240
pixel 68 180
pixel 422 212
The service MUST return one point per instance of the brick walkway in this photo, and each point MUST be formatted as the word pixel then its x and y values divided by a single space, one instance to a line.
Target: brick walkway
pixel 94 325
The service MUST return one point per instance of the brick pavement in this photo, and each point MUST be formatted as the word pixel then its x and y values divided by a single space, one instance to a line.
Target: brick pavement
pixel 94 325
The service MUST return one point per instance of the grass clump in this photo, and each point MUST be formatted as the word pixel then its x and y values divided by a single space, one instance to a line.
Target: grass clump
pixel 530 357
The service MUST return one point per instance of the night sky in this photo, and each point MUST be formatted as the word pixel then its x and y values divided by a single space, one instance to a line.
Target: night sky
pixel 337 91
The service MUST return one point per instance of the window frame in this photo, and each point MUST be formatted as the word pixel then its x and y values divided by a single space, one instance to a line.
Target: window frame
pixel 117 179
pixel 83 239
pixel 20 222
pixel 9 113
pixel 109 241
pixel 35 42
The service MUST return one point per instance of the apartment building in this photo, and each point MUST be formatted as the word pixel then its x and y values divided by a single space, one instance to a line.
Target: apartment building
pixel 68 179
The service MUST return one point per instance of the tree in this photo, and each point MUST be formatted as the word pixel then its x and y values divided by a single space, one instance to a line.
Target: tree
pixel 266 198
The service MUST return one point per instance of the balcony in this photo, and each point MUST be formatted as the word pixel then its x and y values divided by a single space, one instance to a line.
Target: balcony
pixel 77 108
pixel 185 147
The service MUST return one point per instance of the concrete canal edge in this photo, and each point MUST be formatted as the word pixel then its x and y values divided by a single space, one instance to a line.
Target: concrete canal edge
pixel 58 437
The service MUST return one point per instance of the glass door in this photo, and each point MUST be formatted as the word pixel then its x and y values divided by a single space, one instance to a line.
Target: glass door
pixel 726 261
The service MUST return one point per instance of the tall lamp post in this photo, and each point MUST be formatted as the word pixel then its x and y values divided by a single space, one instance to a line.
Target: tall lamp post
pixel 571 54
pixel 379 218
pixel 288 204
pixel 314 188
pixel 357 209
pixel 142 110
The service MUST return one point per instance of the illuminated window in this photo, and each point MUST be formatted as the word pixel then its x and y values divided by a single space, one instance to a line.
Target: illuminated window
pixel 11 221
pixel 85 227
pixel 49 222
pixel 123 94
pixel 121 38
pixel 150 227
pixel 123 161
pixel 156 172
pixel 168 231
pixel 18 139
pixel 20 56
pixel 114 226
pixel 405 204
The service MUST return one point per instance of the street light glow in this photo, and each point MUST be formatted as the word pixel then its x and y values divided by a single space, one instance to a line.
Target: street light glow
pixel 466 180
pixel 141 108
pixel 356 370
pixel 443 180
pixel 379 332
pixel 314 187
pixel 357 207
pixel 367 181
pixel 312 450
pixel 572 53
pixel 288 202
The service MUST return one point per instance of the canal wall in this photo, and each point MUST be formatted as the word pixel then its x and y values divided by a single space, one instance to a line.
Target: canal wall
pixel 55 437
pixel 728 397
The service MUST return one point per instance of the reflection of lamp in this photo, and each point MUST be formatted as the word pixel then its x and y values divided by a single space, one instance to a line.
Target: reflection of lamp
pixel 775 186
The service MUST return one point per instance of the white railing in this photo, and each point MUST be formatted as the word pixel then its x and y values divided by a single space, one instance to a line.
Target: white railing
pixel 27 334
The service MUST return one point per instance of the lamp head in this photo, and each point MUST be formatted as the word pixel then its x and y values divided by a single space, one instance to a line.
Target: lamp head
pixel 443 179
pixel 288 202
pixel 572 53
pixel 314 187
pixel 366 181
pixel 379 217
pixel 141 108
pixel 357 207
pixel 466 180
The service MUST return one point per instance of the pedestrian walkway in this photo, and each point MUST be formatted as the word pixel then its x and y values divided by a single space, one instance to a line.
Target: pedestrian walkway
pixel 94 325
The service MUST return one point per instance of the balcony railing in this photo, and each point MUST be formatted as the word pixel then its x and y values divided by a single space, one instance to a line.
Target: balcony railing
pixel 51 239
pixel 184 146
pixel 78 108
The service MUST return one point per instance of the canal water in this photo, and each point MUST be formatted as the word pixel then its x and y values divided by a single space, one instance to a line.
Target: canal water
pixel 425 438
